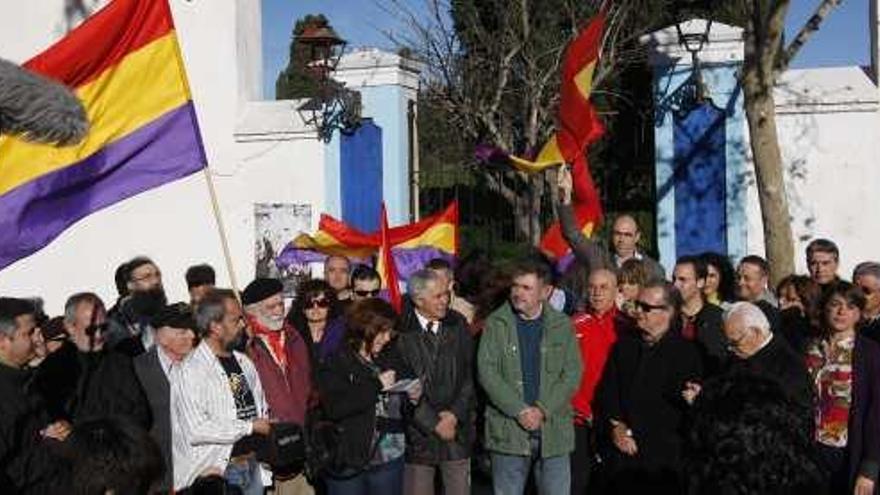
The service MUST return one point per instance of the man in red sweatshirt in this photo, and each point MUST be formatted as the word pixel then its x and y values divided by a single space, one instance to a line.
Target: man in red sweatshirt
pixel 596 332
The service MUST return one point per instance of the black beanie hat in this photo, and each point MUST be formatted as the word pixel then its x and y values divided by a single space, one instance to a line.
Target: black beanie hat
pixel 261 289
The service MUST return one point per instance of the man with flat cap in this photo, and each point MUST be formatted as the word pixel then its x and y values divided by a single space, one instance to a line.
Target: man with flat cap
pixel 282 360
pixel 175 337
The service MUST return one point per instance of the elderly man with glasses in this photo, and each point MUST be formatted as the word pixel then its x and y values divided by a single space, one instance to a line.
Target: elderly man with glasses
pixel 756 350
pixel 641 408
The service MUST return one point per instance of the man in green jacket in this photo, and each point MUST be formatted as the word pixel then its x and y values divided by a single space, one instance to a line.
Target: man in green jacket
pixel 530 367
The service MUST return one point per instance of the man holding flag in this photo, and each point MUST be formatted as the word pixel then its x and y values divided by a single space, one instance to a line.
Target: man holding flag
pixel 625 236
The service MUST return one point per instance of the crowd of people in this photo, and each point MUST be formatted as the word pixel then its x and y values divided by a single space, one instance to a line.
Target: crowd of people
pixel 607 378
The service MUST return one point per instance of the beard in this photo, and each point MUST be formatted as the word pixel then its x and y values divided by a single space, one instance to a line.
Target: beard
pixel 272 323
pixel 148 303
pixel 238 344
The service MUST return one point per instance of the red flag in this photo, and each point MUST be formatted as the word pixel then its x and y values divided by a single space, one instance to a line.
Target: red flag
pixel 386 266
pixel 579 127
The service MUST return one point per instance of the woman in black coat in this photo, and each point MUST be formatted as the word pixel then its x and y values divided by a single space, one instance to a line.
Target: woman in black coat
pixel 369 456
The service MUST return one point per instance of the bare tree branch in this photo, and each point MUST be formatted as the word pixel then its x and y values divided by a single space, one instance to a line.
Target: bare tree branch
pixel 806 32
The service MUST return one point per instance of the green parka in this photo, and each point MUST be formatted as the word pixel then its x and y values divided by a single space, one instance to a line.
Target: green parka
pixel 500 374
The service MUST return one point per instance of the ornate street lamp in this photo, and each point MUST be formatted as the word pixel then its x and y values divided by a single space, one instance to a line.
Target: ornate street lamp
pixel 334 106
pixel 693 42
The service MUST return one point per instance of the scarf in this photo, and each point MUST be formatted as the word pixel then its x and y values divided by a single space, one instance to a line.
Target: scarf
pixel 274 339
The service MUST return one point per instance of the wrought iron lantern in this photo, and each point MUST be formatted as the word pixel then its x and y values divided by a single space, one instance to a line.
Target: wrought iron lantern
pixel 334 106
pixel 693 41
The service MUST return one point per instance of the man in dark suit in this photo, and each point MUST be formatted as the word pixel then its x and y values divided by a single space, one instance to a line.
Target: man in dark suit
pixel 640 398
pixel 435 343
pixel 757 350
pixel 175 338
pixel 28 436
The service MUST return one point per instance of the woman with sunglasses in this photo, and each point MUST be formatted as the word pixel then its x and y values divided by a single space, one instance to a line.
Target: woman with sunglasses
pixel 845 367
pixel 315 314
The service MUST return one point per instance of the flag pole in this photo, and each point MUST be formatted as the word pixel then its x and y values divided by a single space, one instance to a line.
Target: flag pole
pixel 221 229
pixel 212 190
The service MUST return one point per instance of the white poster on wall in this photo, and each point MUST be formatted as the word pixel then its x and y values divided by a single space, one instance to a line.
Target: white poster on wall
pixel 276 225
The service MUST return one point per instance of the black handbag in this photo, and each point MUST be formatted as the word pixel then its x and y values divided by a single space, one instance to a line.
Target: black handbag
pixel 285 450
pixel 322 444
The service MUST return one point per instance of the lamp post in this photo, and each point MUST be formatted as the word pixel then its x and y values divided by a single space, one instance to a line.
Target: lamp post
pixel 334 106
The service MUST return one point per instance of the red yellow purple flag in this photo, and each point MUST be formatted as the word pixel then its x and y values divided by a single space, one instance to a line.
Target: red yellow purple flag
pixel 124 63
pixel 412 245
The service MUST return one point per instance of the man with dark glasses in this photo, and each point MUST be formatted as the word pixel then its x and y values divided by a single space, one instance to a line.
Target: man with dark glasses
pixel 642 408
pixel 83 378
pixel 365 283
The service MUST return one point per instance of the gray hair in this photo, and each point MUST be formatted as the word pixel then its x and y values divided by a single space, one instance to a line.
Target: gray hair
pixel 418 282
pixel 212 309
pixel 75 300
pixel 750 314
pixel 871 268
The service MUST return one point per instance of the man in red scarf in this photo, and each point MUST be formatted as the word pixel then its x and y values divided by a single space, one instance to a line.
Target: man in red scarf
pixel 282 361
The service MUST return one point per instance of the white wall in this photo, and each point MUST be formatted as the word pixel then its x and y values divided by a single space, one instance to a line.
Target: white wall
pixel 829 130
pixel 174 224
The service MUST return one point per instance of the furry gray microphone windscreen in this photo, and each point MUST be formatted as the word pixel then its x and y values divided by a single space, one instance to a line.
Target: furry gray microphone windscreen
pixel 36 108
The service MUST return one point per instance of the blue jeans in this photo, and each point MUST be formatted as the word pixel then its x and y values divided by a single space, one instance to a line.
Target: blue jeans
pixel 510 473
pixel 384 479
pixel 245 475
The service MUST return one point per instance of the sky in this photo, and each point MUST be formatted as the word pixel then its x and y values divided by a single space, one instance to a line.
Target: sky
pixel 842 40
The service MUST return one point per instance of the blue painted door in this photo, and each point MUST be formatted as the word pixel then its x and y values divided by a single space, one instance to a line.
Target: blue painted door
pixel 700 181
pixel 361 180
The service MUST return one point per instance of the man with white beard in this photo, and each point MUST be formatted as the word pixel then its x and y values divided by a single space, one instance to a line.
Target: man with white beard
pixel 282 360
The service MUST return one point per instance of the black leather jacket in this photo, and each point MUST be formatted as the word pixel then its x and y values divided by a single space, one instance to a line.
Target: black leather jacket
pixel 444 363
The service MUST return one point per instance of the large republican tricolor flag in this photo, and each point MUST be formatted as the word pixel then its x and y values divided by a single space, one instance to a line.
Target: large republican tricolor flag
pixel 124 63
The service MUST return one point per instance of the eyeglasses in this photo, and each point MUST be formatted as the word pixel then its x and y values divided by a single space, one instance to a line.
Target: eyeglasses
pixel 647 307
pixel 733 344
pixel 318 303
pixel 367 293
pixel 148 277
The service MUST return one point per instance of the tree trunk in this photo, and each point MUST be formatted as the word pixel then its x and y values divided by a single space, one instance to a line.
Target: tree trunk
pixel 778 238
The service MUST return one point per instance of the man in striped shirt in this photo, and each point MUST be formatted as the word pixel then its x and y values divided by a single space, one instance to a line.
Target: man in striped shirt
pixel 217 403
